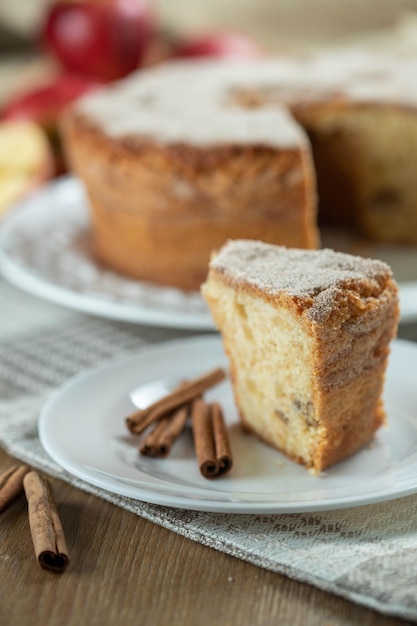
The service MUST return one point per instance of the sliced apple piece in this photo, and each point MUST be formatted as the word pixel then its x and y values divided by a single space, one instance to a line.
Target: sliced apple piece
pixel 26 160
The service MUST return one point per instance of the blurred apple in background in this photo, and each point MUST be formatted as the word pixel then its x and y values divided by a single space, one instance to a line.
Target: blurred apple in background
pixel 219 44
pixel 89 43
pixel 26 161
pixel 103 39
pixel 44 105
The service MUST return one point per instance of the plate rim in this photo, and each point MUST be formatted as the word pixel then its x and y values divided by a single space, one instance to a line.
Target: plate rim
pixel 30 282
pixel 147 495
pixel 37 285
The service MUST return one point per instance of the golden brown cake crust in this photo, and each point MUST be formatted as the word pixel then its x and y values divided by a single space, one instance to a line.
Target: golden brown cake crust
pixel 312 281
pixel 159 210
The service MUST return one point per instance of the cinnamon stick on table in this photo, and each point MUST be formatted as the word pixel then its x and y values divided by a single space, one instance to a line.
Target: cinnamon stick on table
pixel 138 421
pixel 159 442
pixel 45 526
pixel 11 484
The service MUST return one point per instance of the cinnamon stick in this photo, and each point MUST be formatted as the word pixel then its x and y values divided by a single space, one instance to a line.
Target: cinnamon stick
pixel 222 447
pixel 211 441
pixel 203 439
pixel 11 484
pixel 138 421
pixel 159 442
pixel 45 526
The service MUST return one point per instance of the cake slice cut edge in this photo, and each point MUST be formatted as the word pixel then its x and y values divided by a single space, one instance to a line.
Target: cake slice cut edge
pixel 307 334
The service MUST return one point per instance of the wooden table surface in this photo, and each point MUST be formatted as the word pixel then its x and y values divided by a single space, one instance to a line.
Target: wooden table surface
pixel 127 570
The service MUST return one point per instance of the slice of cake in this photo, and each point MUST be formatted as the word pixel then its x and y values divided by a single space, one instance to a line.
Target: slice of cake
pixel 307 333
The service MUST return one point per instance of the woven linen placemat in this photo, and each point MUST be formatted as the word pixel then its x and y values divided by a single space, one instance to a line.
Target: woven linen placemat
pixel 366 554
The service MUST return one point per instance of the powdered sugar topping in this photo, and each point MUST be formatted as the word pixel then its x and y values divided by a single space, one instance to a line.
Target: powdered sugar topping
pixel 312 277
pixel 188 101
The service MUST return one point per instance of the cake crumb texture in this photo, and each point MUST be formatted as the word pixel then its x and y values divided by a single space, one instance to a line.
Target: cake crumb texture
pixel 307 334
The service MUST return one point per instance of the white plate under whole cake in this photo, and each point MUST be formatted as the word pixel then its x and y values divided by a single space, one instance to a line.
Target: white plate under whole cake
pixel 82 427
pixel 45 249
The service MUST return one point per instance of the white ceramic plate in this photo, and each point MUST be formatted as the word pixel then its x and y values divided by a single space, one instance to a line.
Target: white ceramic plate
pixel 45 250
pixel 82 428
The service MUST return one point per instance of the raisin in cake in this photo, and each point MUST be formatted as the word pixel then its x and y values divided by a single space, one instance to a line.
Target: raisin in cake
pixel 307 333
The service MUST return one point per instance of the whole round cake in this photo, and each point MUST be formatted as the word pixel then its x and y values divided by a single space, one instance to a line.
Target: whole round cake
pixel 180 158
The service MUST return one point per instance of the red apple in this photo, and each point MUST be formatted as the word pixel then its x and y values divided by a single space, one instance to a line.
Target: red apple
pixel 223 44
pixel 104 39
pixel 44 105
